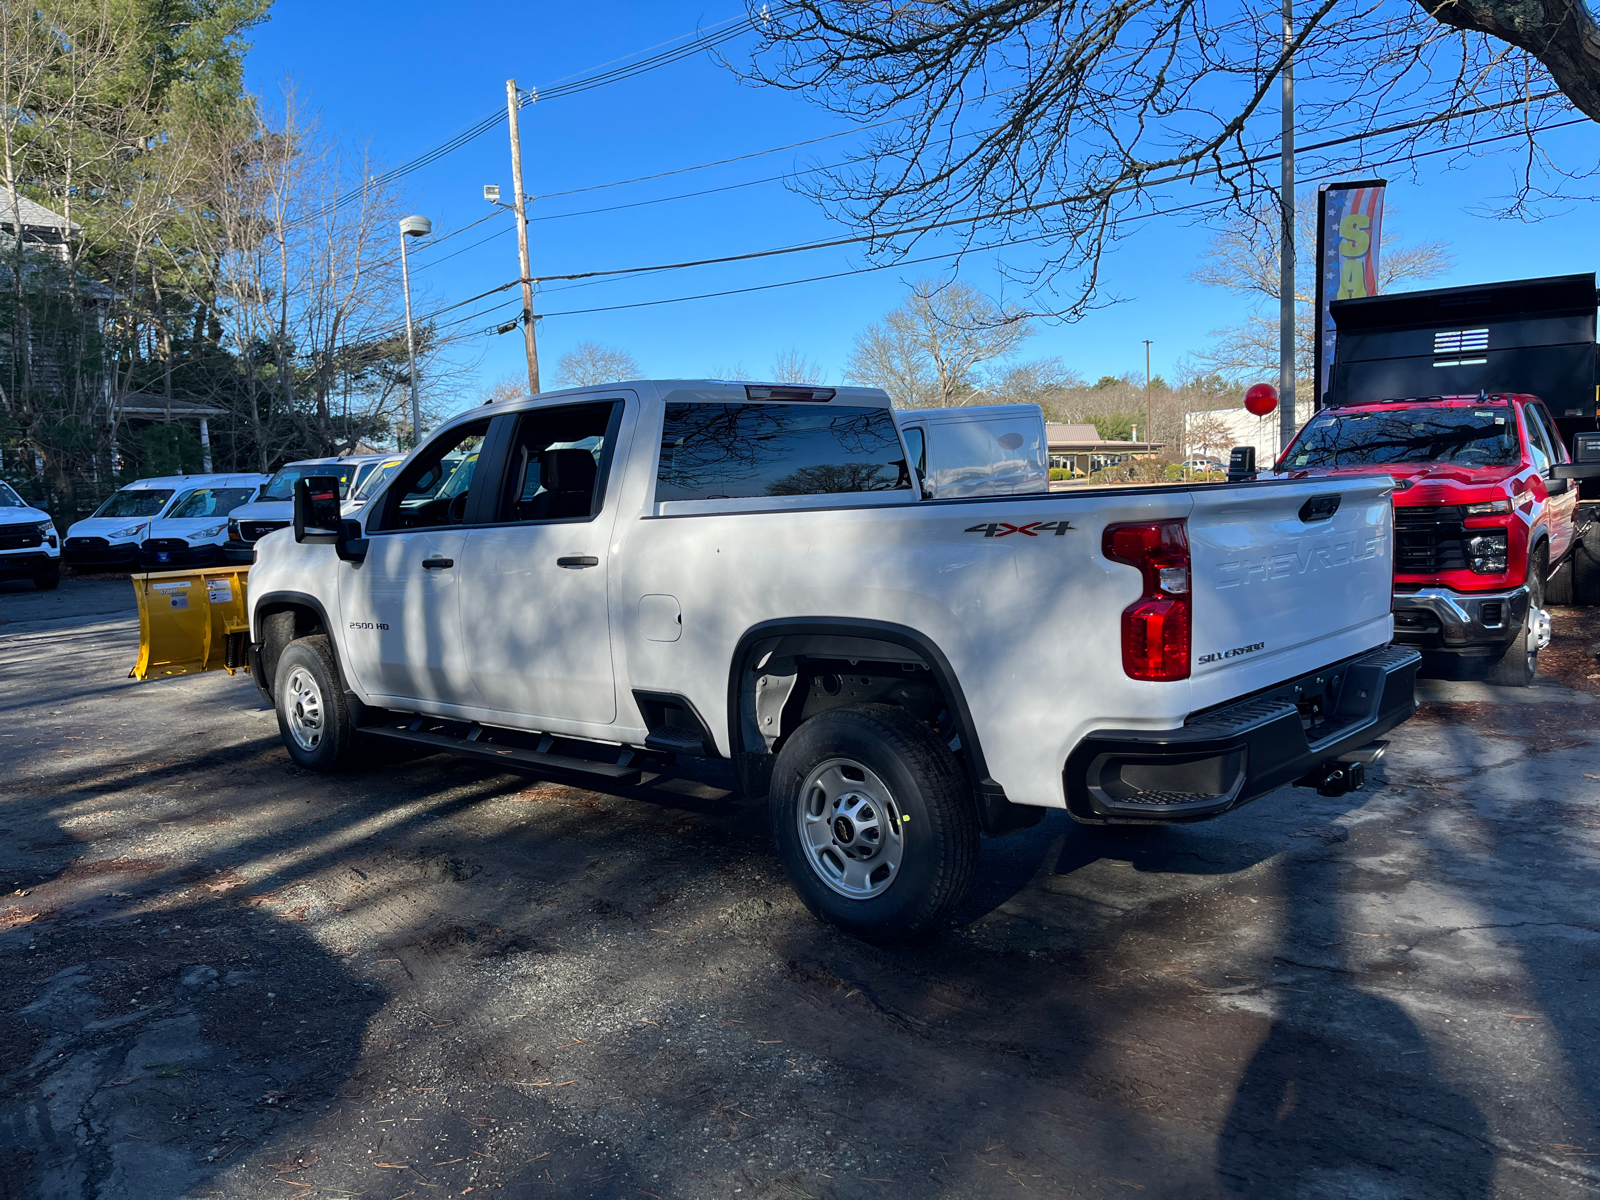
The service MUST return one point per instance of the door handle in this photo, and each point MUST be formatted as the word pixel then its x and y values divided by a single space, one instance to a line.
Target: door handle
pixel 437 564
pixel 578 560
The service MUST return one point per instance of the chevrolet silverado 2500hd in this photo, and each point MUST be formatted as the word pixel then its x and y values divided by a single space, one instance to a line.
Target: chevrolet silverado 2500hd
pixel 750 572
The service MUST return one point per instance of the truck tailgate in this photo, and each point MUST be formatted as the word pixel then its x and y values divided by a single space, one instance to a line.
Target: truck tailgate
pixel 1288 576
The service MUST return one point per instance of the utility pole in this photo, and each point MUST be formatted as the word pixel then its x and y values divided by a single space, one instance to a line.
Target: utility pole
pixel 1147 425
pixel 520 206
pixel 1286 337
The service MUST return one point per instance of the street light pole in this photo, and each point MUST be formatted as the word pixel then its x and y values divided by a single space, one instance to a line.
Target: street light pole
pixel 412 226
pixel 1147 436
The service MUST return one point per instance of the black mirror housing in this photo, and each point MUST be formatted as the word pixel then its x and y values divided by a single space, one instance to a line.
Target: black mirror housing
pixel 316 510
pixel 1575 471
pixel 351 546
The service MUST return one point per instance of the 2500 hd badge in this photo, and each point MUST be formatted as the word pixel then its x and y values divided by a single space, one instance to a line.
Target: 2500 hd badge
pixel 1234 653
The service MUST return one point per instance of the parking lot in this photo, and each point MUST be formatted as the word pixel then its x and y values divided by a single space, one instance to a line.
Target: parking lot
pixel 229 977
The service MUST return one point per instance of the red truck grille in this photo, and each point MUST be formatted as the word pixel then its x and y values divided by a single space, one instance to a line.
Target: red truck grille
pixel 1429 540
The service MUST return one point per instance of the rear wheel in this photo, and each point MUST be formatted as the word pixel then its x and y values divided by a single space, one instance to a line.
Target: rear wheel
pixel 1585 565
pixel 874 821
pixel 314 718
pixel 1519 666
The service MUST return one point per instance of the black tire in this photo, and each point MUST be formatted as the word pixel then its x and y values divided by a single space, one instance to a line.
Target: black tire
pixel 1585 565
pixel 888 879
pixel 314 719
pixel 1558 593
pixel 1519 666
pixel 48 583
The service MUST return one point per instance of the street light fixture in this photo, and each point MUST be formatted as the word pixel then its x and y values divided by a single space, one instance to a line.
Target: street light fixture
pixel 412 226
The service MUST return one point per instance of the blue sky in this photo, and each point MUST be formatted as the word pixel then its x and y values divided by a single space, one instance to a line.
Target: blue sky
pixel 404 76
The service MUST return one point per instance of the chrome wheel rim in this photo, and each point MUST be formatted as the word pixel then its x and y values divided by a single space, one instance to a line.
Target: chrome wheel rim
pixel 850 829
pixel 1539 624
pixel 303 708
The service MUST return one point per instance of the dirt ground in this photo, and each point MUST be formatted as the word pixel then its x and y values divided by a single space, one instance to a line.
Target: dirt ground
pixel 224 976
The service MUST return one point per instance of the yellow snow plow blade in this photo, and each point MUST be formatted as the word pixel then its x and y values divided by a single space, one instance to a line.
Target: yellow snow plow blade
pixel 192 621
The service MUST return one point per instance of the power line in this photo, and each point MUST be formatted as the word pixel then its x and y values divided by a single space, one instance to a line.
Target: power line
pixel 703 40
pixel 1018 241
pixel 1029 209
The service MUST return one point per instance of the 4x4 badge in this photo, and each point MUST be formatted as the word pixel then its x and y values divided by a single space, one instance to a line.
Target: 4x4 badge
pixel 1031 529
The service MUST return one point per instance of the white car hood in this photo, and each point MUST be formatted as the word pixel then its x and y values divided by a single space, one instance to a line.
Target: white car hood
pixel 105 526
pixel 264 510
pixel 187 527
pixel 21 516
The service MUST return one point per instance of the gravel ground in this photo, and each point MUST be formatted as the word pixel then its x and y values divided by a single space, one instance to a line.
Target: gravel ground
pixel 228 977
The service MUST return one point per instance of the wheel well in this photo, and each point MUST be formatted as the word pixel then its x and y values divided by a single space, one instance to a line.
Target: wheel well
pixel 279 623
pixel 786 673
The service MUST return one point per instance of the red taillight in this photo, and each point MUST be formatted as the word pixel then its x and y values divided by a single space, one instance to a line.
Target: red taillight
pixel 1155 628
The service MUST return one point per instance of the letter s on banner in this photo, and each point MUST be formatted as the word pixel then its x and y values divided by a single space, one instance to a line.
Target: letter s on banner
pixel 1349 235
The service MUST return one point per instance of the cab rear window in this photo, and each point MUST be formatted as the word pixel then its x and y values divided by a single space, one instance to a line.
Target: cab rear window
pixel 1471 437
pixel 733 451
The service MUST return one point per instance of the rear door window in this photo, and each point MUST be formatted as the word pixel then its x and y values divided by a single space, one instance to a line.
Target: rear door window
pixel 556 465
pixel 734 451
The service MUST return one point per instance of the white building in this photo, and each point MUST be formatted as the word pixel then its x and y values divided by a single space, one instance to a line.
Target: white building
pixel 1213 434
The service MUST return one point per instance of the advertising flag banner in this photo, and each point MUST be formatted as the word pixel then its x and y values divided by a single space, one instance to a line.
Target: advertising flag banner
pixel 1349 230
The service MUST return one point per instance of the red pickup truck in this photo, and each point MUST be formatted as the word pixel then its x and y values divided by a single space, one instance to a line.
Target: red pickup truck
pixel 1487 531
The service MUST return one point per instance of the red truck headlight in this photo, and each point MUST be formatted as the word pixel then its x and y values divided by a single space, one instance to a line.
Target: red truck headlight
pixel 1156 627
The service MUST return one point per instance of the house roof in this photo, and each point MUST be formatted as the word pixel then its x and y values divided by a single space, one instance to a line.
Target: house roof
pixel 139 405
pixel 1057 433
pixel 34 216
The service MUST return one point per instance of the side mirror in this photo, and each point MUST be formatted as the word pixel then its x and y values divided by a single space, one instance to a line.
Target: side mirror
pixel 351 546
pixel 1575 471
pixel 316 510
pixel 1241 463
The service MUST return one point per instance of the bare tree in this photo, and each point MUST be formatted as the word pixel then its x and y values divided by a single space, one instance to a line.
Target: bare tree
pixel 1243 259
pixel 507 387
pixel 1054 120
pixel 925 352
pixel 1206 435
pixel 791 366
pixel 590 362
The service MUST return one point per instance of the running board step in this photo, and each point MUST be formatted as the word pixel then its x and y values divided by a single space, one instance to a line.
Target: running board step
pixel 508 755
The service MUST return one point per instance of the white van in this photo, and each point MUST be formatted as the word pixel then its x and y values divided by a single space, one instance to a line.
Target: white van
pixel 110 538
pixel 195 528
pixel 977 450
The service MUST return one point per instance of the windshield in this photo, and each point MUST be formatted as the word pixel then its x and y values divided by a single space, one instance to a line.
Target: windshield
pixel 8 498
pixel 1469 437
pixel 281 485
pixel 135 502
pixel 377 479
pixel 212 502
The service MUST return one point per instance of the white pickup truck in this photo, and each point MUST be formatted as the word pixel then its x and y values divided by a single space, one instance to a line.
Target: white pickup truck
pixel 633 573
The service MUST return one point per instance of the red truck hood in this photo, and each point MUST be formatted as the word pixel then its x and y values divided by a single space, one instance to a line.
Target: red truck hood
pixel 1428 483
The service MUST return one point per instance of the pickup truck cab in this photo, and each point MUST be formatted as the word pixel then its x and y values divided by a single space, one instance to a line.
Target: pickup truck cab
pixel 273 507
pixel 1484 518
pixel 29 547
pixel 640 573
pixel 978 450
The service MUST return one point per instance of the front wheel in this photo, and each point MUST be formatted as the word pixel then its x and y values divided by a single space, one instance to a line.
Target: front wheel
pixel 1519 666
pixel 874 821
pixel 313 716
pixel 48 583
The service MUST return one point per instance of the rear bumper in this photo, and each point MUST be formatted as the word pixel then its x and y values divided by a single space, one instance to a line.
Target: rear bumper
pixel 1465 622
pixel 1229 756
pixel 34 564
